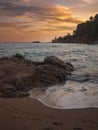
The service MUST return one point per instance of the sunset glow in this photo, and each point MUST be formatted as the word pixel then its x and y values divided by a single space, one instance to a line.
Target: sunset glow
pixel 28 20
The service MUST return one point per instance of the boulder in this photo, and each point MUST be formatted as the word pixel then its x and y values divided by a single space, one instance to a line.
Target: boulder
pixel 17 55
pixel 19 75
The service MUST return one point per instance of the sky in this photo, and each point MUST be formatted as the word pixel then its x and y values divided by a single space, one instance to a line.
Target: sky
pixel 42 20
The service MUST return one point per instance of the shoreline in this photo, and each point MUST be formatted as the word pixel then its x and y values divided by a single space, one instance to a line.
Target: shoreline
pixel 29 114
pixel 57 108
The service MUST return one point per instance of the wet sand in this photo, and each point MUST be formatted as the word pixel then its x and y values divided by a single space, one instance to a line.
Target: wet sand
pixel 30 114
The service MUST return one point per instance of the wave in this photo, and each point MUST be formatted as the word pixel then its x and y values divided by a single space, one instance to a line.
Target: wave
pixel 71 95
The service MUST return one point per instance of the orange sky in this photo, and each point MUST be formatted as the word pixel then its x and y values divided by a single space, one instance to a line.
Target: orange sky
pixel 28 20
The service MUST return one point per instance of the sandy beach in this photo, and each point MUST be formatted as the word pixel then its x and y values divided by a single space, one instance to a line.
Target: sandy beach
pixel 30 114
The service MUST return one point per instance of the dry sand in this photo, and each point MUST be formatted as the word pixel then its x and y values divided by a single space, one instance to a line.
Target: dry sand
pixel 30 114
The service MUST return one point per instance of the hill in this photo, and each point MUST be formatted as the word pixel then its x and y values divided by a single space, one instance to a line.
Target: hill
pixel 86 32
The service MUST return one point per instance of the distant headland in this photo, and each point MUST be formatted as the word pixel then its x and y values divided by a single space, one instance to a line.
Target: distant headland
pixel 86 32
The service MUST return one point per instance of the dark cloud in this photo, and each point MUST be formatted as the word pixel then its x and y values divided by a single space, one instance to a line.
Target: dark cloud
pixel 45 18
pixel 13 9
pixel 16 9
pixel 15 25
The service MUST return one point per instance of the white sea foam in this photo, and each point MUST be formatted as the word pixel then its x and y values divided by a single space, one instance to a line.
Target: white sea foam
pixel 69 96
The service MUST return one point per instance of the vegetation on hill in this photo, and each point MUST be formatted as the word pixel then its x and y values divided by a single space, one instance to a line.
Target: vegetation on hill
pixel 86 32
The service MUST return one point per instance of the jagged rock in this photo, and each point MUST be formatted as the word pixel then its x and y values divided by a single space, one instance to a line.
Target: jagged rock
pixel 58 62
pixel 18 75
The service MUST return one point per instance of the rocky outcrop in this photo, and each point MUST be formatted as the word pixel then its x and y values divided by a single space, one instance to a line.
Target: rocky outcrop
pixel 86 32
pixel 18 75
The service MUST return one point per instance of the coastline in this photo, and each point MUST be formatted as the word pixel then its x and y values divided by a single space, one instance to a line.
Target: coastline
pixel 29 114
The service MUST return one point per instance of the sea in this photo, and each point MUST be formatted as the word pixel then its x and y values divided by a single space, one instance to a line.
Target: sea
pixel 80 89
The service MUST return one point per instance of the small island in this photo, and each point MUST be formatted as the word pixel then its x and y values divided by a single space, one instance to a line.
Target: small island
pixel 36 42
pixel 86 32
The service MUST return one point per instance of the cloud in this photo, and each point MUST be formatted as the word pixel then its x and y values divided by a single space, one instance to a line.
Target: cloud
pixel 40 15
pixel 88 1
pixel 14 25
pixel 35 20
pixel 56 28
pixel 25 1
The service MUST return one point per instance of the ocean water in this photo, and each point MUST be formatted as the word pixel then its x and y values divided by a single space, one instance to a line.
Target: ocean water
pixel 81 88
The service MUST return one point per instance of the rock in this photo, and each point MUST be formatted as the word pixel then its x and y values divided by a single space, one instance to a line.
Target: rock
pixel 6 86
pixel 17 55
pixel 8 90
pixel 1 94
pixel 18 75
pixel 22 94
pixel 50 72
pixel 96 42
pixel 56 61
pixel 48 75
pixel 83 89
pixel 69 66
pixel 52 60
pixel 9 94
pixel 78 78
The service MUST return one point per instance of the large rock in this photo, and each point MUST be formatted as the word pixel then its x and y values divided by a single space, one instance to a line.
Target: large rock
pixel 18 75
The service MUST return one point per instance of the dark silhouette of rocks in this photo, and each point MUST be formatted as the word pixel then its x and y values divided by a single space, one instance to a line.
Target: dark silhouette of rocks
pixel 86 32
pixel 19 75
pixel 36 42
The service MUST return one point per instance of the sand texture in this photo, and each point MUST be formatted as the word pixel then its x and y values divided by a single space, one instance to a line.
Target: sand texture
pixel 30 114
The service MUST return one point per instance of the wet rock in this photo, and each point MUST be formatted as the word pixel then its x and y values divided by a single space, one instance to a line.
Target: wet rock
pixel 58 62
pixel 9 94
pixel 49 75
pixel 17 55
pixel 22 94
pixel 18 75
pixel 78 78
pixel 57 123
